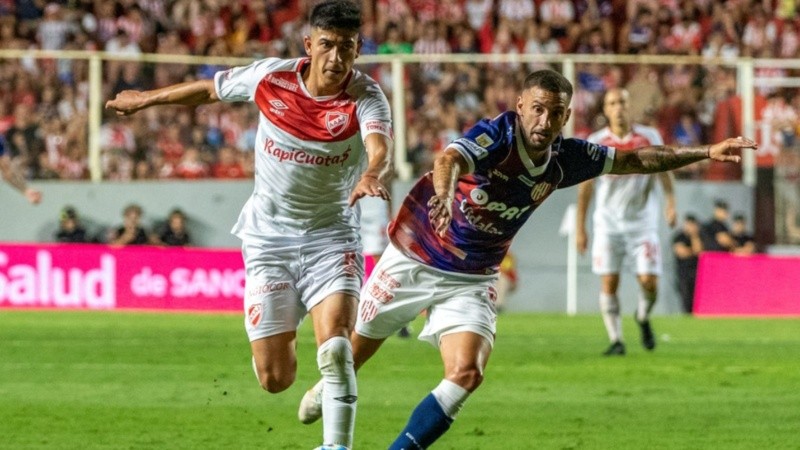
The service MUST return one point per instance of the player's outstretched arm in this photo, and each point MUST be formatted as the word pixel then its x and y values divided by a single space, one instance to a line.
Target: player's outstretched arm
pixel 447 167
pixel 585 192
pixel 190 93
pixel 662 158
pixel 14 178
pixel 375 181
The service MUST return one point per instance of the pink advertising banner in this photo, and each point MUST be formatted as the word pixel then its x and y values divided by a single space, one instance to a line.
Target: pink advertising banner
pixel 754 285
pixel 77 276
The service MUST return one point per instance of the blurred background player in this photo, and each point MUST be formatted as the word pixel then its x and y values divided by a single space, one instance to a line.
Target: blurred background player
pixel 625 222
pixel 299 229
pixel 14 178
pixel 456 225
pixel 687 246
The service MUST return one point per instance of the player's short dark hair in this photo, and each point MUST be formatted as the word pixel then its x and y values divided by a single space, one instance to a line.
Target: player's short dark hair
pixel 738 217
pixel 550 81
pixel 721 204
pixel 690 218
pixel 336 15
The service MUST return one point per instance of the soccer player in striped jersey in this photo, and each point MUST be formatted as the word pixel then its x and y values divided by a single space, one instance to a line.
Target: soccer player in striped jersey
pixel 457 223
pixel 625 222
pixel 300 228
pixel 14 178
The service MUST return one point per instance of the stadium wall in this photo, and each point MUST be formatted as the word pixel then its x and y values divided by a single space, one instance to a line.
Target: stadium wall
pixel 212 207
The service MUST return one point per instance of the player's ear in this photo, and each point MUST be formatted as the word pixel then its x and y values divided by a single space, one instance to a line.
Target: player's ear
pixel 519 106
pixel 307 44
pixel 567 114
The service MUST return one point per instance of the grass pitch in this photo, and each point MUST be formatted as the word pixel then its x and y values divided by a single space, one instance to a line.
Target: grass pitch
pixel 96 380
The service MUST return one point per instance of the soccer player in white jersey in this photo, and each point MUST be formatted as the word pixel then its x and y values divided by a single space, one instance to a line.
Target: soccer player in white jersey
pixel 625 222
pixel 300 228
pixel 456 225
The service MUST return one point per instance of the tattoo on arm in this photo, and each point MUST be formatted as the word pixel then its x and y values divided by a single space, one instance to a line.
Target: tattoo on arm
pixel 658 159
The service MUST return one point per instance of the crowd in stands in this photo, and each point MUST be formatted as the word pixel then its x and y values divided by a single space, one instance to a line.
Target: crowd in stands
pixel 43 102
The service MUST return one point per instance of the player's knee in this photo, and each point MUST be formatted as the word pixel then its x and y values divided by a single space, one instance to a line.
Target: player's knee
pixel 649 284
pixel 276 381
pixel 335 357
pixel 468 377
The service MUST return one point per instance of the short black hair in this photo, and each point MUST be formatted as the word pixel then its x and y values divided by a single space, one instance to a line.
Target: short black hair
pixel 721 204
pixel 336 15
pixel 738 217
pixel 549 80
pixel 690 218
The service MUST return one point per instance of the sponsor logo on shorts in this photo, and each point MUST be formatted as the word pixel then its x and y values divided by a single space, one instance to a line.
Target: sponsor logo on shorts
pixel 336 122
pixel 388 280
pixel 379 293
pixel 266 288
pixel 254 314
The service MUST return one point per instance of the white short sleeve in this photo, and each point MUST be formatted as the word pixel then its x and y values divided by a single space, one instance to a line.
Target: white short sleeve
pixel 238 84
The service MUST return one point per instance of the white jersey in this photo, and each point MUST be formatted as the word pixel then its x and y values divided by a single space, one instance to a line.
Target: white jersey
pixel 626 203
pixel 309 151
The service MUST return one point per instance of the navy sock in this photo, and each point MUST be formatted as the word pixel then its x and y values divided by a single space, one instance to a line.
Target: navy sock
pixel 426 424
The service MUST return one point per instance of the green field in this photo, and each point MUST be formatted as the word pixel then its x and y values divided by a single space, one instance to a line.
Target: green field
pixel 91 380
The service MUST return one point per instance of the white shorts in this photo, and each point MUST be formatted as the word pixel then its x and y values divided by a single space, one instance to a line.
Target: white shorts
pixel 285 280
pixel 609 252
pixel 400 288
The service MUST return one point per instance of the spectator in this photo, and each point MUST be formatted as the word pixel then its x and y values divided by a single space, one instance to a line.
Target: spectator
pixel 715 233
pixel 191 166
pixel 744 243
pixel 131 232
pixel 394 43
pixel 687 246
pixel 174 233
pixel 70 228
pixel 228 165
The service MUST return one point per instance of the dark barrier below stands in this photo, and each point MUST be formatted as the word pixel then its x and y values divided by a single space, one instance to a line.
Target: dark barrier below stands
pixel 755 285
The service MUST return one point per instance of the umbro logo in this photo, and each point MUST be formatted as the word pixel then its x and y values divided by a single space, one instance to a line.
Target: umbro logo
pixel 277 104
pixel 349 399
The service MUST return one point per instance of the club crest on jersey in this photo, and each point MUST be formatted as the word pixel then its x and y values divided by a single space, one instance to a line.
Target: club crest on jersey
pixel 336 122
pixel 254 314
pixel 540 191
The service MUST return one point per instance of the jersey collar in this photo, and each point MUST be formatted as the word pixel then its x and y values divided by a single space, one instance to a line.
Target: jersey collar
pixel 533 169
